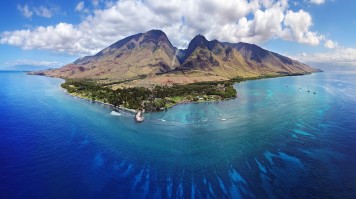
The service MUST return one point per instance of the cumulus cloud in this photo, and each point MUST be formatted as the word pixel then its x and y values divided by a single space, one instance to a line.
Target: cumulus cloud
pixel 297 28
pixel 330 44
pixel 339 56
pixel 265 25
pixel 61 38
pixel 254 21
pixel 41 11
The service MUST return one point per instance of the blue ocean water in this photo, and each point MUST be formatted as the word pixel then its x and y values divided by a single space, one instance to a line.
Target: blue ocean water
pixel 276 140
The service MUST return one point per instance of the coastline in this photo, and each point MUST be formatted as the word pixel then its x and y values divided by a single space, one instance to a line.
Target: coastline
pixel 133 111
pixel 195 102
pixel 99 102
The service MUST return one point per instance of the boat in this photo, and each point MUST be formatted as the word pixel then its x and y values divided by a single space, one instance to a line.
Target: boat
pixel 314 92
pixel 139 116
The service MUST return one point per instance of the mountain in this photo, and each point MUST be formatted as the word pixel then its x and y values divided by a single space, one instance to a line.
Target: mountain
pixel 237 59
pixel 133 57
pixel 150 58
pixel 256 56
pixel 216 58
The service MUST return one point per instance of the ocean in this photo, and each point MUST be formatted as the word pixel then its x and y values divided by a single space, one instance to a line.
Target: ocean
pixel 275 140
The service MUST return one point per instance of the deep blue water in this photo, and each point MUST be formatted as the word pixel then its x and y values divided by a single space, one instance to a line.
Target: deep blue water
pixel 276 140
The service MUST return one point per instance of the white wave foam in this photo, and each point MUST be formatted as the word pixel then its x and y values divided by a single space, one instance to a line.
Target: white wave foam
pixel 115 113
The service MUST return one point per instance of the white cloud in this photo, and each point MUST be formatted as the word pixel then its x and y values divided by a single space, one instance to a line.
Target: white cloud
pixel 61 38
pixel 339 56
pixel 317 1
pixel 25 10
pixel 297 28
pixel 265 25
pixel 80 6
pixel 330 44
pixel 254 21
pixel 52 64
pixel 41 11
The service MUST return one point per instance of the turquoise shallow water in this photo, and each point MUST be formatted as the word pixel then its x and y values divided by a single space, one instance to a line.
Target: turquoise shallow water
pixel 276 140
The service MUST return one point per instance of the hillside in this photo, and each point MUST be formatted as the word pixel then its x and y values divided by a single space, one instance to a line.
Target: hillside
pixel 241 59
pixel 133 57
pixel 265 61
pixel 149 58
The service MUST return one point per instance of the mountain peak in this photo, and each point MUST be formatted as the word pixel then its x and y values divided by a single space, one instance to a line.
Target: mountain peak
pixel 155 32
pixel 198 40
pixel 199 36
pixel 156 36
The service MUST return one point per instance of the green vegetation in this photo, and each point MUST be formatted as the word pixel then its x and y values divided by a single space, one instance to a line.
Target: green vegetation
pixel 151 99
pixel 158 97
pixel 241 79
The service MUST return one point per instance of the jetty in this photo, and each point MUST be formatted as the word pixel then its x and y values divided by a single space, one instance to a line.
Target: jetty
pixel 139 116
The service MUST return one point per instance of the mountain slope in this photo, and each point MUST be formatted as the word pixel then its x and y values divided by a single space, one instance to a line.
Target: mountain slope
pixel 135 56
pixel 240 59
pixel 150 58
pixel 266 61
pixel 216 58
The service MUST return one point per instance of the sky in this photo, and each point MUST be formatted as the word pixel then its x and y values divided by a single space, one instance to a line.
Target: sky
pixel 53 33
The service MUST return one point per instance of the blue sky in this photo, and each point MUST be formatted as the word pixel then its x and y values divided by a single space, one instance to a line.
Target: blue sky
pixel 53 33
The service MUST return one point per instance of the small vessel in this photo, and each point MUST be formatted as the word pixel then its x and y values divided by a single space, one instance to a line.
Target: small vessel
pixel 308 91
pixel 314 92
pixel 139 116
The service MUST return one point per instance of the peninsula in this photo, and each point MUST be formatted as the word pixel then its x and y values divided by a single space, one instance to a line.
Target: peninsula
pixel 146 71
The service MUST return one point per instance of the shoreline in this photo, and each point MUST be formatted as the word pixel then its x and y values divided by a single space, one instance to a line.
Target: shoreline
pixel 120 108
pixel 198 102
pixel 99 102
pixel 134 111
